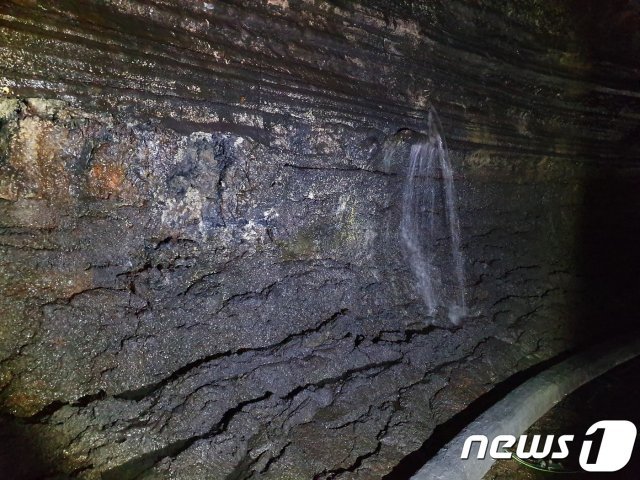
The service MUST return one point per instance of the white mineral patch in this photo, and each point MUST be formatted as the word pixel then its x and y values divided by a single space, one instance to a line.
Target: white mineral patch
pixel 188 209
pixel 279 3
pixel 8 108
pixel 201 136
pixel 252 231
pixel 45 108
pixel 247 119
pixel 342 204
pixel 271 213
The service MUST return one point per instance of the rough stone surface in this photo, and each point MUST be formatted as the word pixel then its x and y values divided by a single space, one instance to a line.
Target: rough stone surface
pixel 201 275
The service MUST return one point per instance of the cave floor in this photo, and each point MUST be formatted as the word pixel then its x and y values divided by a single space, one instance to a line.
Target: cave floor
pixel 612 396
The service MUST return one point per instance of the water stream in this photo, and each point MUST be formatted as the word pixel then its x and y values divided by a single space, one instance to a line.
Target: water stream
pixel 430 228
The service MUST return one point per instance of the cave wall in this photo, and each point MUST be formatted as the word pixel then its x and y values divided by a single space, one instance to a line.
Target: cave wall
pixel 201 267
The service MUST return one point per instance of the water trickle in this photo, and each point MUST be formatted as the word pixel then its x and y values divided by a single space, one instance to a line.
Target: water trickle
pixel 430 228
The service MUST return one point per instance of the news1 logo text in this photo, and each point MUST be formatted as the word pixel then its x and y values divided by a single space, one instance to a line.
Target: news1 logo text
pixel 607 446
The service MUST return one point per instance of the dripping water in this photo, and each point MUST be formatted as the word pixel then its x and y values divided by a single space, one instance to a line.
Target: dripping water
pixel 430 228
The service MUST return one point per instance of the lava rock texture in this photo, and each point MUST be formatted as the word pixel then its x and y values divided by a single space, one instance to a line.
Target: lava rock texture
pixel 201 273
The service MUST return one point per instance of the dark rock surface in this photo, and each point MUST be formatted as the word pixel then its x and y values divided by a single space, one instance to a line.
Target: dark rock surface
pixel 200 271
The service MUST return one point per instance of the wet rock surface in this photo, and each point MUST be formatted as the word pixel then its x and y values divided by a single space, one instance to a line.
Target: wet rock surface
pixel 201 267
